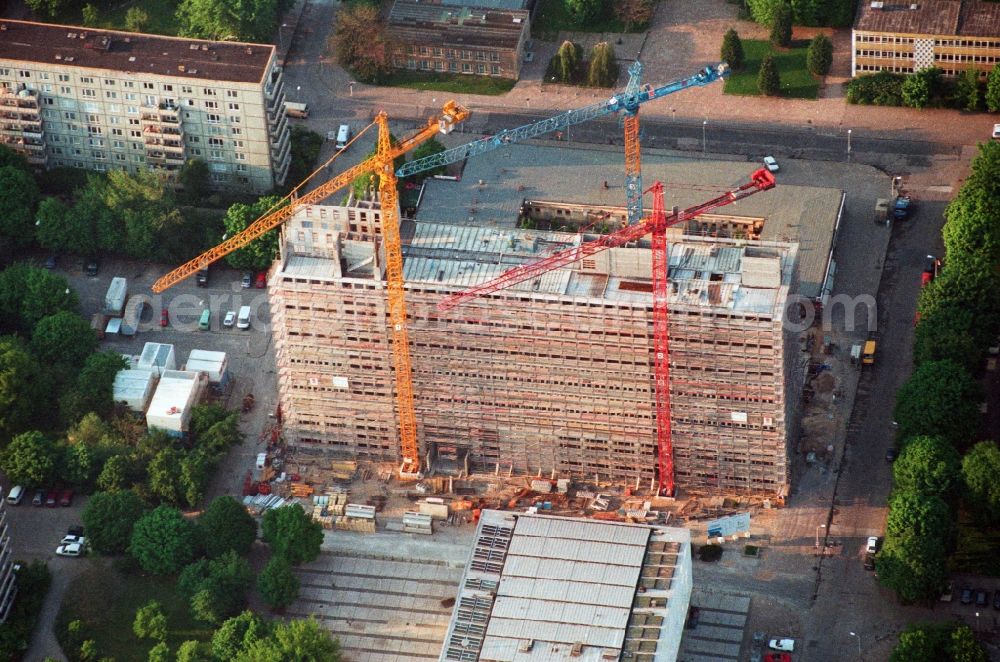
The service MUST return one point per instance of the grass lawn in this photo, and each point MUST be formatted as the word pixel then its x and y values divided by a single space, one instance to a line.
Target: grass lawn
pixel 161 16
pixel 455 83
pixel 796 81
pixel 976 548
pixel 551 17
pixel 106 600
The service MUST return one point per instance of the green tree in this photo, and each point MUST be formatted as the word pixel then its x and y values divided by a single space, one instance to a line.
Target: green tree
pixel 29 459
pixel 950 331
pixel 254 21
pixel 968 95
pixel 305 641
pixel 114 475
pixel 768 80
pixel 915 567
pixel 23 396
pixel 163 541
pixel 911 513
pixel 963 646
pixel 64 338
pixel 136 19
pixel 217 430
pixel 195 179
pixel 808 12
pixel 361 43
pixel 109 519
pixel 568 61
pixel 88 651
pixel 980 468
pixel 261 252
pixel 993 89
pixel 216 588
pixel 732 50
pixel 292 533
pixel 195 651
pixel 236 634
pixel 939 399
pixel 920 88
pixel 781 27
pixel 8 157
pixel 603 66
pixel 763 11
pixel 195 472
pixel 143 205
pixel 929 466
pixel 164 475
pixel 819 56
pixel 27 294
pixel 59 229
pixel 922 643
pixel 635 14
pixel 227 526
pixel 93 391
pixel 159 653
pixel 881 89
pixel 150 622
pixel 583 11
pixel 18 199
pixel 77 466
pixel 277 584
pixel 90 15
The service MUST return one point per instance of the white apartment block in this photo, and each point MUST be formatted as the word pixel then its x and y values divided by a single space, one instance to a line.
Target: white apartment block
pixel 101 99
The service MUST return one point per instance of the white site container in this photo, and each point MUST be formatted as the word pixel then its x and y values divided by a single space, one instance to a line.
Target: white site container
pixel 158 357
pixel 135 388
pixel 214 364
pixel 176 394
pixel 114 299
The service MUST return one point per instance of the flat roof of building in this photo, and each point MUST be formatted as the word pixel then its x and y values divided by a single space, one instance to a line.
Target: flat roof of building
pixel 965 18
pixel 134 53
pixel 740 276
pixel 551 588
pixel 456 25
pixel 805 215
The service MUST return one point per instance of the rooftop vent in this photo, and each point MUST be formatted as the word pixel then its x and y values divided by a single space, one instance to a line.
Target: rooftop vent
pixel 3 27
pixel 181 67
pixel 69 58
pixel 249 51
pixel 204 47
pixel 131 58
pixel 193 71
pixel 193 47
pixel 58 56
pixel 517 19
pixel 877 4
pixel 914 6
pixel 576 650
pixel 526 646
pixel 71 35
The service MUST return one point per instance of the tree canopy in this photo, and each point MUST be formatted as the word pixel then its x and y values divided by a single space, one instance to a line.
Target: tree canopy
pixel 277 584
pixel 993 89
pixel 980 472
pixel 819 56
pixel 216 588
pixel 913 566
pixel 93 390
pixel 361 43
pixel 292 533
pixel 768 80
pixel 163 541
pixel 29 459
pixel 23 389
pixel 583 11
pixel 939 399
pixel 259 254
pixel 932 642
pixel 236 634
pixel 28 293
pixel 603 70
pixel 231 20
pixel 928 465
pixel 109 519
pixel 227 526
pixel 63 338
pixel 912 513
pixel 920 88
pixel 732 49
pixel 150 622
pixel 781 25
pixel 18 199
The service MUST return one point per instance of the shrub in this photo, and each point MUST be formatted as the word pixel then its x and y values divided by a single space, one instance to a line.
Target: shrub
pixel 732 50
pixel 781 28
pixel 879 89
pixel 710 553
pixel 768 80
pixel 819 57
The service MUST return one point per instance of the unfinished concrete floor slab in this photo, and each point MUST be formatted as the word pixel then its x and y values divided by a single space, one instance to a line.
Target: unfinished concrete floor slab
pixel 381 607
pixel 719 633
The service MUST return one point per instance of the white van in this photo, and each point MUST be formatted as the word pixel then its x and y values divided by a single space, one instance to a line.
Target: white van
pixel 243 321
pixel 261 460
pixel 343 135
pixel 297 110
pixel 15 495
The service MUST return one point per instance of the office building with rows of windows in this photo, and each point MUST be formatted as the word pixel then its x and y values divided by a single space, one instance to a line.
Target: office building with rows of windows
pixel 904 37
pixel 100 99
pixel 451 36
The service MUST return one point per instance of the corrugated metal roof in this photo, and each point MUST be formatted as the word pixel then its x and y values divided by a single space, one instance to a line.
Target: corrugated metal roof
pixel 565 590
pixel 301 266
pixel 581 530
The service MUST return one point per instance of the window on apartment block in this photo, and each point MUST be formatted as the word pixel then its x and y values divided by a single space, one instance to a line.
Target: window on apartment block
pixel 411 64
pixel 212 105
pixel 495 70
pixel 494 57
pixel 212 118
pixel 480 68
pixel 232 94
pixel 111 94
pixel 453 67
pixel 63 78
pixel 438 65
pixel 466 68
pixel 129 84
pixel 208 92
pixel 88 93
pixel 234 106
pixel 215 141
pixel 237 131
pixel 148 86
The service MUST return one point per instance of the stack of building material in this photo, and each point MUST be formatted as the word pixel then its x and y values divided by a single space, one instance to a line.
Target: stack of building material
pixel 434 507
pixel 343 470
pixel 357 517
pixel 301 490
pixel 417 523
pixel 256 505
pixel 135 388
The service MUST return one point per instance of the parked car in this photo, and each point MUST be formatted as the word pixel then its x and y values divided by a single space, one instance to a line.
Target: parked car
pixel 72 549
pixel 982 597
pixel 786 645
pixel 247 280
pixel 869 562
pixel 39 498
pixel 50 261
pixel 996 130
pixel 966 597
pixel 51 498
pixel 230 319
pixel 75 531
pixel 92 266
pixel 69 540
pixel 261 280
pixel 777 657
pixel 201 278
pixel 66 498
pixel 891 455
pixel 931 267
pixel 164 317
pixel 771 164
pixel 872 546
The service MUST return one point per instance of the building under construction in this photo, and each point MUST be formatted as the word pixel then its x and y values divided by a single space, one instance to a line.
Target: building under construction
pixel 555 375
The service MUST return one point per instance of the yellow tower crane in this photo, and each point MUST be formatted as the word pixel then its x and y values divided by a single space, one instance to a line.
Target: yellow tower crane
pixel 381 164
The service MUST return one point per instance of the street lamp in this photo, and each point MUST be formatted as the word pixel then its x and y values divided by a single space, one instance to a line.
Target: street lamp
pixel 704 141
pixel 848 144
pixel 818 527
pixel 977 621
pixel 673 114
pixel 350 88
pixel 859 642
pixel 298 93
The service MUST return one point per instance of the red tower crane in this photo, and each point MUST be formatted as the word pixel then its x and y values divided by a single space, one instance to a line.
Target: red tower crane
pixel 656 224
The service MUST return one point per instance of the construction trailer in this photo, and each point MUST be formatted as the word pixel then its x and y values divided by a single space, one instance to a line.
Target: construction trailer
pixel 213 364
pixel 158 357
pixel 554 375
pixel 175 397
pixel 135 388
